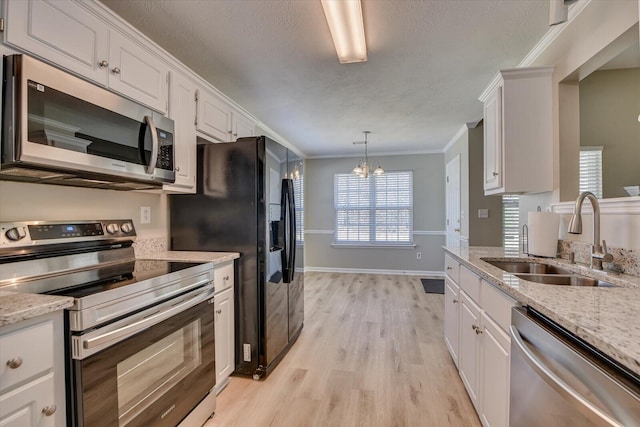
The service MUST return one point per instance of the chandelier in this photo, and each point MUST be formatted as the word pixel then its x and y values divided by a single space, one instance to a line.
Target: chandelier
pixel 363 169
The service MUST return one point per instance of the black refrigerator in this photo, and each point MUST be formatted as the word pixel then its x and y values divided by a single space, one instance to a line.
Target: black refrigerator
pixel 246 202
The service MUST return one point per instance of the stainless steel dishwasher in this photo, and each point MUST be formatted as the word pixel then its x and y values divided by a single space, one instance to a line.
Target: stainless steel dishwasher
pixel 558 380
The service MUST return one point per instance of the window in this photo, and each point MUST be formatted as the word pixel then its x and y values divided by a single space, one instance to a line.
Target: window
pixel 591 170
pixel 374 211
pixel 298 198
pixel 511 223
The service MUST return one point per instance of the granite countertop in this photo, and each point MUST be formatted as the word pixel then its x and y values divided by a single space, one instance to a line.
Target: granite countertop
pixel 189 256
pixel 16 306
pixel 606 318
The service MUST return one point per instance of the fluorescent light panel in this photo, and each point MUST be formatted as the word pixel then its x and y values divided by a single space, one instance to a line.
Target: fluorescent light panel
pixel 347 29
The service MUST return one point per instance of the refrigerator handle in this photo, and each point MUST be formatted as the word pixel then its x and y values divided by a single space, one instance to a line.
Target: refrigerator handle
pixel 289 242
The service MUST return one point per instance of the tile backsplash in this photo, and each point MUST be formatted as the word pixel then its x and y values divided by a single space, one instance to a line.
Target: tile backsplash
pixel 625 261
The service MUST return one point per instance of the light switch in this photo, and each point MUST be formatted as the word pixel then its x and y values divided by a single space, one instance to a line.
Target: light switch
pixel 483 213
pixel 145 215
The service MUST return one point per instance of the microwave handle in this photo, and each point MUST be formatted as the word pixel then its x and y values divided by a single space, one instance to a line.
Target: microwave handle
pixel 154 147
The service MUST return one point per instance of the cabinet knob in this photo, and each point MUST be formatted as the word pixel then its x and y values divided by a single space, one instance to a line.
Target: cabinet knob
pixel 457 230
pixel 177 168
pixel 14 363
pixel 495 174
pixel 103 64
pixel 219 311
pixel 225 278
pixel 49 410
pixel 455 301
pixel 115 70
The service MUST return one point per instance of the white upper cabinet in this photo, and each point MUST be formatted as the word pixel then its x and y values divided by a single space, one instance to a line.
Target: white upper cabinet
pixel 242 126
pixel 138 74
pixel 83 46
pixel 217 120
pixel 182 109
pixel 518 145
pixel 213 116
pixel 68 35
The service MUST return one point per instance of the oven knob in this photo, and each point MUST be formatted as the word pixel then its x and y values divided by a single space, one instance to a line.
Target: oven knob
pixel 112 228
pixel 15 233
pixel 126 227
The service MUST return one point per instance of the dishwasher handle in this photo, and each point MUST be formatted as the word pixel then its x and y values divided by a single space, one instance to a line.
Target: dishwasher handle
pixel 557 383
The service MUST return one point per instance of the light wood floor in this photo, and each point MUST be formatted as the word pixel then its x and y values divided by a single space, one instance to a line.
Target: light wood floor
pixel 371 353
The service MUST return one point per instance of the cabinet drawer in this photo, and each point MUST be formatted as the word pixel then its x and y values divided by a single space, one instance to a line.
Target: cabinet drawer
pixel 24 405
pixel 31 348
pixel 452 268
pixel 470 283
pixel 223 276
pixel 497 304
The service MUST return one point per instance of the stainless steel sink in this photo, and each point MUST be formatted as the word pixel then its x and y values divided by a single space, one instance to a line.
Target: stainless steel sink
pixel 528 267
pixel 565 280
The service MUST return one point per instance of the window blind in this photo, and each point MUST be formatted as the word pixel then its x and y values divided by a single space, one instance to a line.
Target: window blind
pixel 374 210
pixel 511 223
pixel 591 170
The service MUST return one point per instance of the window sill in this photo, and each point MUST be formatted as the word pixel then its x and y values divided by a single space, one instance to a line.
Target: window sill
pixel 373 246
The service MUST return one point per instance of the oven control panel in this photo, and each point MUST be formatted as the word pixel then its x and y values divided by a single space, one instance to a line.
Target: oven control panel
pixel 29 233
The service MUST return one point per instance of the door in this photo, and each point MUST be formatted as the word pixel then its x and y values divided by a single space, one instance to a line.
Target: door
pixel 453 223
pixel 496 348
pixel 242 126
pixel 469 355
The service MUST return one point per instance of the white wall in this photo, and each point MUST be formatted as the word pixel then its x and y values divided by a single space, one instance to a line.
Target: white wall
pixel 33 202
pixel 429 218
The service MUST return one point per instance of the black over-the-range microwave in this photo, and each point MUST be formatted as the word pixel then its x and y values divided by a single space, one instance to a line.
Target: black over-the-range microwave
pixel 60 129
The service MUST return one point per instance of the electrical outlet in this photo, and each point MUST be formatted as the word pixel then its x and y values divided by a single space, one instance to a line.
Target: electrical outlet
pixel 246 349
pixel 418 255
pixel 483 213
pixel 145 215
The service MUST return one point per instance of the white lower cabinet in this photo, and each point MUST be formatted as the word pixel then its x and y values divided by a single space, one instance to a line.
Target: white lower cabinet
pixel 451 316
pixel 32 387
pixel 224 322
pixel 469 358
pixel 496 348
pixel 484 347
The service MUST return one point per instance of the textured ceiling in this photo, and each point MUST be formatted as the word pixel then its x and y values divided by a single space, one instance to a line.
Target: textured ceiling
pixel 428 62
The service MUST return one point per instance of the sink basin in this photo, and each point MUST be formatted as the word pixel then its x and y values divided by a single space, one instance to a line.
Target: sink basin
pixel 528 267
pixel 564 280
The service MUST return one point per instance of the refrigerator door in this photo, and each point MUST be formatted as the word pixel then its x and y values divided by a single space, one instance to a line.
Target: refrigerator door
pixel 296 285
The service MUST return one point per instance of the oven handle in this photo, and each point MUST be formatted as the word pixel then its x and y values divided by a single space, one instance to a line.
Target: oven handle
pixel 111 337
pixel 556 382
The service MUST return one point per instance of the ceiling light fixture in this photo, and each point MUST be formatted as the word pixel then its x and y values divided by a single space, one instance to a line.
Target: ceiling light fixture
pixel 363 167
pixel 347 29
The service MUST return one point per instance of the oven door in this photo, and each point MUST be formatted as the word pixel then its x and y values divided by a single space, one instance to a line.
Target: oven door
pixel 153 377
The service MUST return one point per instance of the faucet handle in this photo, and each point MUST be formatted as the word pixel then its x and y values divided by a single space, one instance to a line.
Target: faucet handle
pixel 605 256
pixel 604 247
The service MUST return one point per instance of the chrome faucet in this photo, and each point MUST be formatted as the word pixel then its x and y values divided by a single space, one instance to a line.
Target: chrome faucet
pixel 599 253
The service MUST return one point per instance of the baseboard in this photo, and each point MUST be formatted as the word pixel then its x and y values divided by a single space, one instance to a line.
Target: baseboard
pixel 375 271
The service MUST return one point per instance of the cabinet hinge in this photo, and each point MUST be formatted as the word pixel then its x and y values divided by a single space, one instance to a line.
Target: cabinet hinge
pixel 447 179
pixel 1 25
pixel 196 96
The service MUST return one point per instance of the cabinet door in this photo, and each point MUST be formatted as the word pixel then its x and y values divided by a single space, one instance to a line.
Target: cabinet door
pixel 468 356
pixel 451 314
pixel 137 73
pixel 494 392
pixel 26 405
pixel 61 32
pixel 493 141
pixel 182 109
pixel 214 116
pixel 224 336
pixel 242 126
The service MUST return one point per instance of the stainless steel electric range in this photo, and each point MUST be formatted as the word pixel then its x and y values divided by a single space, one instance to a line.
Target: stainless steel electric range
pixel 139 339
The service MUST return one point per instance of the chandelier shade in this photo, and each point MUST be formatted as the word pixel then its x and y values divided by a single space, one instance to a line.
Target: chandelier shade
pixel 363 168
